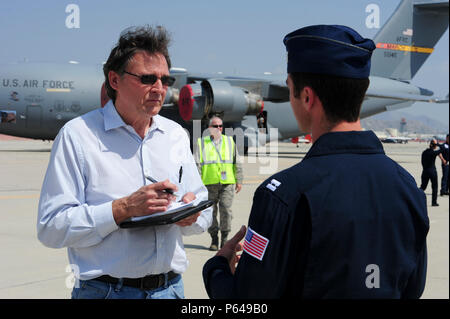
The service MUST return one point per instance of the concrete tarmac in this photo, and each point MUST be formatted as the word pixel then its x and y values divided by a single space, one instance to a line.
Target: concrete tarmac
pixel 30 270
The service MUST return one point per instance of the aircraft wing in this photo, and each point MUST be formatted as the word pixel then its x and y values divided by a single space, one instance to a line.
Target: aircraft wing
pixel 405 96
pixel 279 92
pixel 234 97
pixel 276 90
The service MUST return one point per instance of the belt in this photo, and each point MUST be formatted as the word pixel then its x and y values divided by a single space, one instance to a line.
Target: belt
pixel 144 283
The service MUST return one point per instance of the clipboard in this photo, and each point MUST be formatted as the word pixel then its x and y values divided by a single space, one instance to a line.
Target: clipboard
pixel 165 219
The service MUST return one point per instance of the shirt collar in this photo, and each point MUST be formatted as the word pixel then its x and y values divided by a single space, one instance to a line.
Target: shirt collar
pixel 157 124
pixel 356 142
pixel 111 117
pixel 113 120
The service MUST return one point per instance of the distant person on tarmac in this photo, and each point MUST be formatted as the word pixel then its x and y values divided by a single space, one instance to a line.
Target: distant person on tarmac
pixel 445 167
pixel 221 170
pixel 429 170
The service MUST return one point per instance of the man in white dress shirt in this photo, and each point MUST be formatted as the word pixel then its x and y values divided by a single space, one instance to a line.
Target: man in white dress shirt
pixel 98 176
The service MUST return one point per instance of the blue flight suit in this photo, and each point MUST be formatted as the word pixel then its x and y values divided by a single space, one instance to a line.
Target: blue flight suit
pixel 345 222
pixel 445 169
pixel 429 172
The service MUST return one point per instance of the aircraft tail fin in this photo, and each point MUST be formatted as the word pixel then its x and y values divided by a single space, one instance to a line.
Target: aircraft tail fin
pixel 408 38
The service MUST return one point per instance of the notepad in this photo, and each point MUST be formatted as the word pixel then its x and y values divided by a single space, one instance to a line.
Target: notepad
pixel 173 208
pixel 176 212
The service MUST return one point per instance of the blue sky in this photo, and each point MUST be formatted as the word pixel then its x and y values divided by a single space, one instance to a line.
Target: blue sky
pixel 234 37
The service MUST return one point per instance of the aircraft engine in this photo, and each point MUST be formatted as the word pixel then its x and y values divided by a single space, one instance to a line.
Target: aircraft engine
pixel 172 96
pixel 200 99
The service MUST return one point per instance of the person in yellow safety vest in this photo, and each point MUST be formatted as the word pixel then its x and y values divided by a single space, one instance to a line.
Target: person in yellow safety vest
pixel 216 161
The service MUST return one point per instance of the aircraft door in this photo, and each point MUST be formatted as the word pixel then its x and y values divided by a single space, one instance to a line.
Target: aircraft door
pixel 34 116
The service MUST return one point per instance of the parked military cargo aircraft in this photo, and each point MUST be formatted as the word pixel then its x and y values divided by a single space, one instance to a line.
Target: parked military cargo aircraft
pixel 37 99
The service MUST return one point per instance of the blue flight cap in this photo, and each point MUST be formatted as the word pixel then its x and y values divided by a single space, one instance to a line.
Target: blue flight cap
pixel 329 49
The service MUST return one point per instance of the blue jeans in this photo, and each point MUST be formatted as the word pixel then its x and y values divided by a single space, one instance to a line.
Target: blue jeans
pixel 95 289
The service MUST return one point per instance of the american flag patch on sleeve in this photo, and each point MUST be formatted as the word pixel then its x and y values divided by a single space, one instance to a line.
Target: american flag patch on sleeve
pixel 255 244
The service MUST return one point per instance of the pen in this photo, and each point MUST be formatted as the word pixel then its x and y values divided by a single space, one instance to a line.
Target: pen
pixel 151 179
pixel 180 174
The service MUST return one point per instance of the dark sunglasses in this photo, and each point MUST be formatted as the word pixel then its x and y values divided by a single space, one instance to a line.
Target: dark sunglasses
pixel 151 79
pixel 217 126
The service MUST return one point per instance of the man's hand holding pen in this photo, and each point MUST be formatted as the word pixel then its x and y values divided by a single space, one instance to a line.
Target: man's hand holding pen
pixel 148 199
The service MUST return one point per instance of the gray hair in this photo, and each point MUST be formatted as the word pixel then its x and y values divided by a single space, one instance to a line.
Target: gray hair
pixel 132 40
pixel 214 117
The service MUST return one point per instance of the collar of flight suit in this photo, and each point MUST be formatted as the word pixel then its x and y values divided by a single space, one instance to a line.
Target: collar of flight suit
pixel 350 142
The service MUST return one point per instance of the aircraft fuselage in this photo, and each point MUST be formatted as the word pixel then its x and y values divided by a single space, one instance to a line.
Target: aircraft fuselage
pixel 45 97
pixel 36 100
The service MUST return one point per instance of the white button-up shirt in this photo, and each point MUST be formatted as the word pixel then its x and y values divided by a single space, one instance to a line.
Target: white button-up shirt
pixel 97 158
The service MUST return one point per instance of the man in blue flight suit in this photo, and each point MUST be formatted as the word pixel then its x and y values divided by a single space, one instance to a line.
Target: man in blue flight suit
pixel 445 165
pixel 429 169
pixel 345 222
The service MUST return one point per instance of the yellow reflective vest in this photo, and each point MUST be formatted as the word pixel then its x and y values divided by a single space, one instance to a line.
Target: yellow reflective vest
pixel 217 167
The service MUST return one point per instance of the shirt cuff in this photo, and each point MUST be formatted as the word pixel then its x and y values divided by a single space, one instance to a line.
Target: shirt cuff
pixel 104 219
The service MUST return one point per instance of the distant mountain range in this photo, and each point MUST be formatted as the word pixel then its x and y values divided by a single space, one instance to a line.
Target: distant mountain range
pixel 414 123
